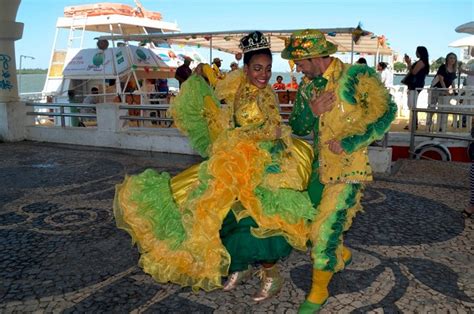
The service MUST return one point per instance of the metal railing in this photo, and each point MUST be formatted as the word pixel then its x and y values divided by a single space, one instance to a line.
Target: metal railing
pixel 62 114
pixel 460 110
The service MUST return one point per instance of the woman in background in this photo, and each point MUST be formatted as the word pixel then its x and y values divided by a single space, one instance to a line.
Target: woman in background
pixel 418 72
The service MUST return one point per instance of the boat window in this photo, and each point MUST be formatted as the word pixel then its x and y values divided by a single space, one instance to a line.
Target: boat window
pixel 161 44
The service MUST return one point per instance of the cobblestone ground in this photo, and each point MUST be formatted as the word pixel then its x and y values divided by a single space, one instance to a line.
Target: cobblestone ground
pixel 61 252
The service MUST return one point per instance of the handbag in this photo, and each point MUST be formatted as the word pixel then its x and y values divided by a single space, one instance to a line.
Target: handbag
pixel 408 80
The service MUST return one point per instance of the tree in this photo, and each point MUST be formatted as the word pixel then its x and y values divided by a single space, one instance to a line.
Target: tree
pixel 436 64
pixel 399 66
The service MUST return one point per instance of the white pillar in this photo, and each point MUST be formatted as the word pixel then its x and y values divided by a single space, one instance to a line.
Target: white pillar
pixel 12 113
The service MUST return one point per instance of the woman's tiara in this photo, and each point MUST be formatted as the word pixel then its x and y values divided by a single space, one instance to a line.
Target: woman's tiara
pixel 254 41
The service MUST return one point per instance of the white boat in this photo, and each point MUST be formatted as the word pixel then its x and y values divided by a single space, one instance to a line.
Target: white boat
pixel 76 66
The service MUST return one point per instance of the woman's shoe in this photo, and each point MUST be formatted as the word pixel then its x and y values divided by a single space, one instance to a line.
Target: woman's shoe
pixel 236 278
pixel 308 307
pixel 272 282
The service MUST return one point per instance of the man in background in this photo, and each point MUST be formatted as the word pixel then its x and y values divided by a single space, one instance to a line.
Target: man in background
pixel 183 71
pixel 234 66
pixel 216 67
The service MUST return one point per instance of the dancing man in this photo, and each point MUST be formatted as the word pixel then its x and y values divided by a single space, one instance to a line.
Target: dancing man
pixel 347 108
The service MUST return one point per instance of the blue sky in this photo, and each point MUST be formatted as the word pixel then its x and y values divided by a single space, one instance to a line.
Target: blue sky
pixel 405 23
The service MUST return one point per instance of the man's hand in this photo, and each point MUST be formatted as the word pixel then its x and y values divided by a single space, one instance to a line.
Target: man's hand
pixel 335 147
pixel 324 103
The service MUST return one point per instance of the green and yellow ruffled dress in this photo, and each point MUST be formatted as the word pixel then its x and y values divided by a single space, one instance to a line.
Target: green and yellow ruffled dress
pixel 249 193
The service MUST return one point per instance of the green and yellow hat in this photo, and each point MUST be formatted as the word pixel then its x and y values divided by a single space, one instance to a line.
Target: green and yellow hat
pixel 306 44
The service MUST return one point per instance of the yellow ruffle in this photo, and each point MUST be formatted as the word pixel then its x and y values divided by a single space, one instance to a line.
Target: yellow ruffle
pixel 201 260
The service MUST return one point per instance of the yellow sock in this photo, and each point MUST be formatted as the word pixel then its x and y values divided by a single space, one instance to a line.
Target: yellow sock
pixel 319 288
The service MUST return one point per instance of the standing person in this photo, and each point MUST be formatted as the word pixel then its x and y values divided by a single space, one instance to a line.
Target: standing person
pixel 415 79
pixel 234 66
pixel 183 71
pixel 445 78
pixel 346 108
pixel 279 85
pixel 89 99
pixel 361 61
pixel 470 73
pixel 216 67
pixel 244 204
pixel 386 76
pixel 467 213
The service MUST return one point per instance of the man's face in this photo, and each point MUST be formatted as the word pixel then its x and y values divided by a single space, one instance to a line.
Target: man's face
pixel 218 63
pixel 309 67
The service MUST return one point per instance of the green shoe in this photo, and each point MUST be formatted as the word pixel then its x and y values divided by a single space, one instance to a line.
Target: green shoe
pixel 308 307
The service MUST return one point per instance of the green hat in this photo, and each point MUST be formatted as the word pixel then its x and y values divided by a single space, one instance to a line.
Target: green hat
pixel 306 44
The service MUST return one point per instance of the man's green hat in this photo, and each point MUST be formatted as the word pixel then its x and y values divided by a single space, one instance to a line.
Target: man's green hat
pixel 306 44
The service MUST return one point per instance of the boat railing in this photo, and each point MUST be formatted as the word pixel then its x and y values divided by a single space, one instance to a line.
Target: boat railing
pixel 459 110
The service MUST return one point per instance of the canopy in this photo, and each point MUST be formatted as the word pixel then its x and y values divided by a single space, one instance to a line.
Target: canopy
pixel 466 28
pixel 463 42
pixel 229 41
pixel 110 63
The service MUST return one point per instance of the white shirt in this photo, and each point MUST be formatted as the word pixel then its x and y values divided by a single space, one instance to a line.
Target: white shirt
pixel 386 76
pixel 470 78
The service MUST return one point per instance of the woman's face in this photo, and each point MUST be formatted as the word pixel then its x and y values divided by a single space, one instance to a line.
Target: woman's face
pixel 259 70
pixel 451 59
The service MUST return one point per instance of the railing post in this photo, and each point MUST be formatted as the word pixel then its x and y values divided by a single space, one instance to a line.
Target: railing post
pixel 63 121
pixel 413 115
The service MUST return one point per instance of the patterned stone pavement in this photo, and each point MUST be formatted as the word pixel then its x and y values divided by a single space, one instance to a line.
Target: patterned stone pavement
pixel 60 250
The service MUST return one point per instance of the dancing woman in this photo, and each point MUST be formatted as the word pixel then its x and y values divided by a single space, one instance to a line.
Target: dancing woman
pixel 244 204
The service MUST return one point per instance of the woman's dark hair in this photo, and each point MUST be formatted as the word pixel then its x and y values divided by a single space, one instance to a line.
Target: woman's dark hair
pixel 383 65
pixel 279 76
pixel 248 55
pixel 423 54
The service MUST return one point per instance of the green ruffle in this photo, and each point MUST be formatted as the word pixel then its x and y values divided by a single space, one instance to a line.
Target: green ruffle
pixel 374 131
pixel 289 204
pixel 188 109
pixel 155 203
pixel 348 200
pixel 350 80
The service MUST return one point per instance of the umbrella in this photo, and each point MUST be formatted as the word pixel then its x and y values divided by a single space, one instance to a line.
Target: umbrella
pixel 466 28
pixel 463 42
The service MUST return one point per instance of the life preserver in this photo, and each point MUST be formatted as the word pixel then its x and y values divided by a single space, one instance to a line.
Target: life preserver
pixel 431 150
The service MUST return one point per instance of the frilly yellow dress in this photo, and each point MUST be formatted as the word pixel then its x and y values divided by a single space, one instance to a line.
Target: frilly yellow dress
pixel 254 168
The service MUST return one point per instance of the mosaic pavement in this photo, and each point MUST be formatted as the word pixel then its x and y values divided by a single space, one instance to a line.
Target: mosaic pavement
pixel 60 250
